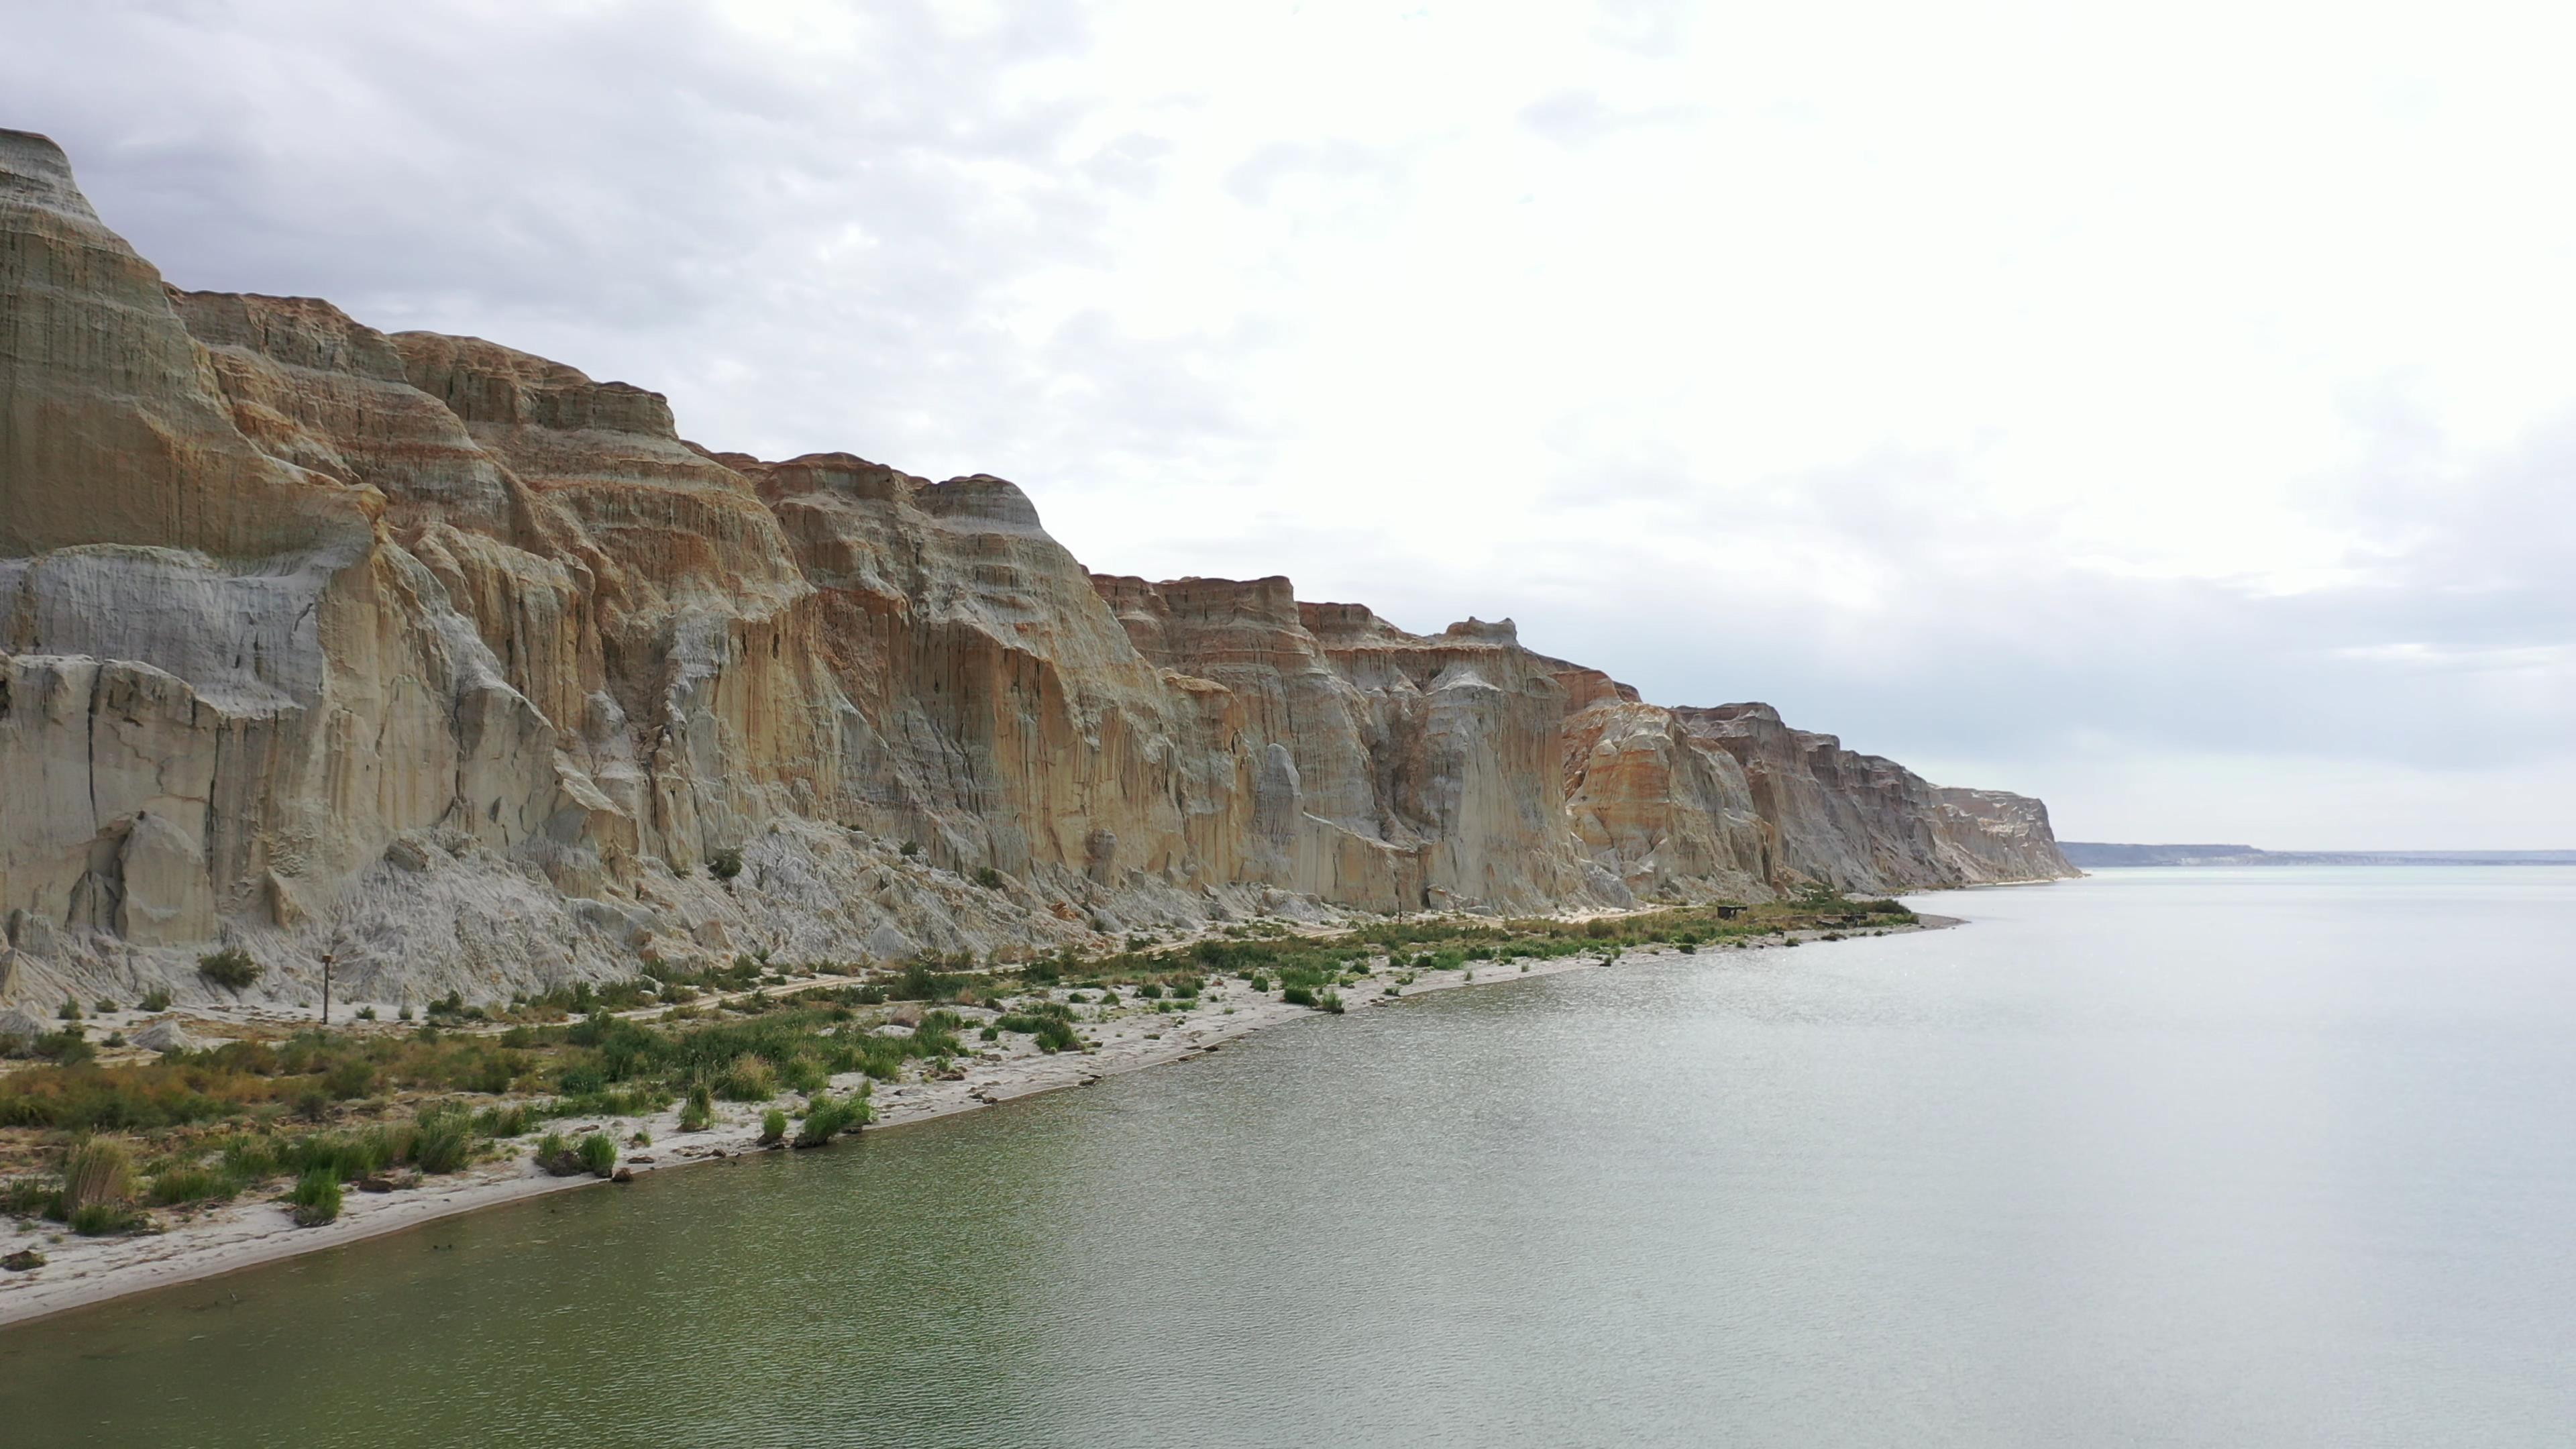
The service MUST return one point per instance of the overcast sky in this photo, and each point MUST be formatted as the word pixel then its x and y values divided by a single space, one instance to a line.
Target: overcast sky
pixel 2169 413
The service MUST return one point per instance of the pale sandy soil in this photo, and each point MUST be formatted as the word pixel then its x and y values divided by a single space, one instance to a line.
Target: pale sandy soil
pixel 247 1232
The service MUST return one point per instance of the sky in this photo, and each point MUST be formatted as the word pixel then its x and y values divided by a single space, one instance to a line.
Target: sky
pixel 2166 410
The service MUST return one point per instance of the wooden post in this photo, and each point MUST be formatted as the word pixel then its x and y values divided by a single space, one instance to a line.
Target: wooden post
pixel 326 988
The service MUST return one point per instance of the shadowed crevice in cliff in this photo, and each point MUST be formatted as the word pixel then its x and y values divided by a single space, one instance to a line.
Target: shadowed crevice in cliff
pixel 465 668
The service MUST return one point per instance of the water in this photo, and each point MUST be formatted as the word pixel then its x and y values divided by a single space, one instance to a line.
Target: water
pixel 2272 1156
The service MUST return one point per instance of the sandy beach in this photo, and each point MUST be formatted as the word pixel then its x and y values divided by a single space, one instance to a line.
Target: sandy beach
pixel 252 1231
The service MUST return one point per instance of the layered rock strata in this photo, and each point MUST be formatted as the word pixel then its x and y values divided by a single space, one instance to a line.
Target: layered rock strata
pixel 465 669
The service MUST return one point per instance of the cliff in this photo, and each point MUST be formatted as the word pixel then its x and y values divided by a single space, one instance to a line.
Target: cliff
pixel 463 668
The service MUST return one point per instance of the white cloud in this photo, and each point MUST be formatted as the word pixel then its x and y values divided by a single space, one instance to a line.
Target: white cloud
pixel 2053 396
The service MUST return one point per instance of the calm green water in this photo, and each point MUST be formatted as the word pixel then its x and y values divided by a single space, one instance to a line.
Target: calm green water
pixel 2211 1158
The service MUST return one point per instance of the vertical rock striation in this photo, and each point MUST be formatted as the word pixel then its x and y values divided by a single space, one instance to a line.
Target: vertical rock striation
pixel 457 664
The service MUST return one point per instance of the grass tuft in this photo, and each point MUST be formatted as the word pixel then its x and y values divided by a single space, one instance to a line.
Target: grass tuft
pixel 316 1198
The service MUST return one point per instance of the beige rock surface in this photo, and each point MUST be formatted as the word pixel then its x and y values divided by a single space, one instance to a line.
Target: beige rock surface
pixel 461 666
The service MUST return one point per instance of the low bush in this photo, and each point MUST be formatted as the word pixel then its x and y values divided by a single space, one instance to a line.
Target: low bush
pixel 230 968
pixel 253 1159
pixel 350 1077
pixel 347 1156
pixel 193 1182
pixel 773 1126
pixel 556 1155
pixel 920 981
pixel 31 1196
pixel 725 864
pixel 443 1140
pixel 97 1173
pixel 828 1117
pixel 699 1112
pixel 804 1074
pixel 316 1197
pixel 156 999
pixel 752 1079
pixel 599 1154
pixel 513 1120
pixel 936 1036
pixel 987 877
pixel 102 1218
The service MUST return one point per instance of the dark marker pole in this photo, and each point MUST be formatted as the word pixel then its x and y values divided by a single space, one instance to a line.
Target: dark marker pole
pixel 326 988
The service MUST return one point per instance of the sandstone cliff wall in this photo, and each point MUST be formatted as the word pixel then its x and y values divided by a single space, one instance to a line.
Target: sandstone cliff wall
pixel 462 667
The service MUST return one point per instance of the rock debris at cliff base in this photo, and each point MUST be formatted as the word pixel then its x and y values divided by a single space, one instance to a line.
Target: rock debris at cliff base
pixel 454 664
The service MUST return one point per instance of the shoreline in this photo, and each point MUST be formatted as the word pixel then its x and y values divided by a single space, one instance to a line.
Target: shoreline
pixel 244 1234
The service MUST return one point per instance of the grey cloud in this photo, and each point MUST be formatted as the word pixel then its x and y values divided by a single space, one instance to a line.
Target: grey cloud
pixel 815 254
pixel 1652 28
pixel 2452 653
pixel 1256 180
pixel 1576 117
pixel 804 252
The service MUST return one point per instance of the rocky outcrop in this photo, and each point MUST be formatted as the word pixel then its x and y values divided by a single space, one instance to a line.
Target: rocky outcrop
pixel 466 669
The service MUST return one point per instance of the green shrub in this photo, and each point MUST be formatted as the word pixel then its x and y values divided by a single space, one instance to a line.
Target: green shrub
pixel 156 999
pixel 804 1074
pixel 724 864
pixel 31 1197
pixel 920 982
pixel 829 1117
pixel 69 1047
pixel 699 1113
pixel 936 1036
pixel 230 968
pixel 987 877
pixel 347 1156
pixel 599 1154
pixel 443 1140
pixel 69 1010
pixel 101 1218
pixel 316 1198
pixel 1330 1001
pixel 911 848
pixel 752 1079
pixel 513 1120
pixel 97 1172
pixel 253 1159
pixel 350 1077
pixel 1298 996
pixel 103 1005
pixel 773 1126
pixel 193 1182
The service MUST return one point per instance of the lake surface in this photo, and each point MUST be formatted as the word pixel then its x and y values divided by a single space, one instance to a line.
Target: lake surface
pixel 2262 1157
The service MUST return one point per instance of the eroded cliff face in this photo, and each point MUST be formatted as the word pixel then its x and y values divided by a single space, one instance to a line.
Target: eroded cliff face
pixel 462 667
